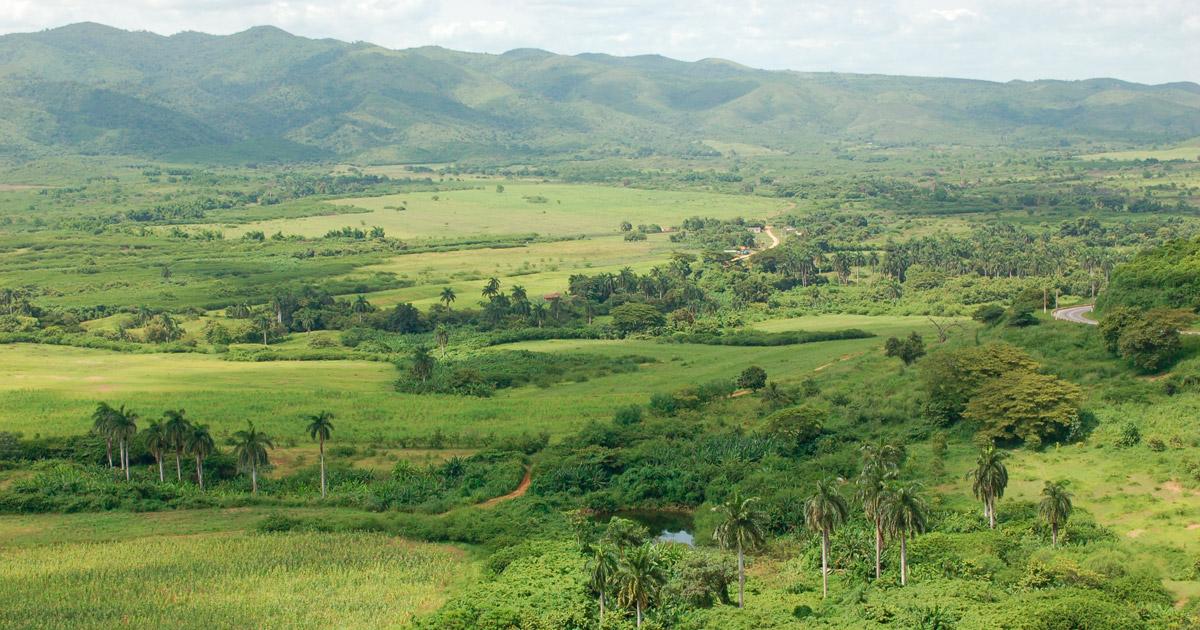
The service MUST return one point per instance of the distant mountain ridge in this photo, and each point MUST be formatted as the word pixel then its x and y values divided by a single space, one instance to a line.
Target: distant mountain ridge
pixel 89 88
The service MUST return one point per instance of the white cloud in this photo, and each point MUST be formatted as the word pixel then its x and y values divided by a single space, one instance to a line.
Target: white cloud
pixel 1149 40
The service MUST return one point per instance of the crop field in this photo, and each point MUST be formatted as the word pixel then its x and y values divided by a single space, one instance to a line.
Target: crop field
pixel 230 580
pixel 540 268
pixel 523 207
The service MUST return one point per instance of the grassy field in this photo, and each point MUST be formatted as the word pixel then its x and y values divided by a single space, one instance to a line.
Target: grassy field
pixel 237 580
pixel 51 390
pixel 541 267
pixel 520 209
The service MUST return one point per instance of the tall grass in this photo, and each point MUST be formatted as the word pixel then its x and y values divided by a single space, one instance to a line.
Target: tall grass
pixel 309 580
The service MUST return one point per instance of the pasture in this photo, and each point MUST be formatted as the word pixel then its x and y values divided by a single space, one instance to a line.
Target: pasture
pixel 540 268
pixel 228 580
pixel 51 390
pixel 524 207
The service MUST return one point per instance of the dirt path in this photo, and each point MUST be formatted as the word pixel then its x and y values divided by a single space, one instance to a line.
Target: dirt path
pixel 768 232
pixel 521 488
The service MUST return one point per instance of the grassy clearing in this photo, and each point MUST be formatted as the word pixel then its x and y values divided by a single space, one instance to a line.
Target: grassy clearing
pixel 880 325
pixel 541 268
pixel 317 580
pixel 52 390
pixel 566 210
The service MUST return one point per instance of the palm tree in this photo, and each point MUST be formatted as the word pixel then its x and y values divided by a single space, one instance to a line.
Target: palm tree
pixel 422 363
pixel 741 526
pixel 988 480
pixel 157 440
pixel 640 577
pixel 360 306
pixel 307 318
pixel 602 569
pixel 251 451
pixel 320 426
pixel 447 297
pixel 519 293
pixel 904 513
pixel 1055 508
pixel 442 337
pixel 200 444
pixel 882 455
pixel 824 511
pixel 124 427
pixel 177 430
pixel 102 424
pixel 265 321
pixel 492 288
pixel 239 311
pixel 872 491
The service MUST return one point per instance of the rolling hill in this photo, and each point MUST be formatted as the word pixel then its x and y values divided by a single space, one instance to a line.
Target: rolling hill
pixel 92 89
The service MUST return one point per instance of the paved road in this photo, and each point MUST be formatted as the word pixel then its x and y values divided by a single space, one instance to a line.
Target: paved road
pixel 1076 314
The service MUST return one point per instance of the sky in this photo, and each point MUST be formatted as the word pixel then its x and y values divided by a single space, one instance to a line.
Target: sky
pixel 1148 41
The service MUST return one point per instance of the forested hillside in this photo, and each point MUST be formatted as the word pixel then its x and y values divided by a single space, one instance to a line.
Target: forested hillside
pixel 264 94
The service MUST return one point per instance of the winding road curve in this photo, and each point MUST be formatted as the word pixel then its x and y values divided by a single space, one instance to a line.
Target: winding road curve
pixel 1076 314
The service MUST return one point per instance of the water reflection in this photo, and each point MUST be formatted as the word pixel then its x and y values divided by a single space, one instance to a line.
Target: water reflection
pixel 674 527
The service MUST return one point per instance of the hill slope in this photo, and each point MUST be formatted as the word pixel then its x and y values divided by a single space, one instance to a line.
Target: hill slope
pixel 88 88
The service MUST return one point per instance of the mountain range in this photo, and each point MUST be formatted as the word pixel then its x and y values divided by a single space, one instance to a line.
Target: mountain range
pixel 264 94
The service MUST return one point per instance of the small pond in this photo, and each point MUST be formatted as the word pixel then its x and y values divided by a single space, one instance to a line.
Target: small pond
pixel 668 526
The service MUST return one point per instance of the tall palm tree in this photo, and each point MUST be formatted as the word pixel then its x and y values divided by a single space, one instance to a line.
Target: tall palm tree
pixel 102 424
pixel 360 306
pixel 320 426
pixel 422 363
pixel 519 293
pixel 124 428
pixel 872 490
pixel 442 337
pixel 492 288
pixel 602 570
pixel 640 577
pixel 988 480
pixel 882 455
pixel 903 513
pixel 1055 508
pixel 824 511
pixel 157 441
pixel 177 430
pixel 447 297
pixel 200 444
pixel 742 527
pixel 251 451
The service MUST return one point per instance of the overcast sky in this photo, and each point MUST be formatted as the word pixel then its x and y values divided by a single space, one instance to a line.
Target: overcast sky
pixel 1150 41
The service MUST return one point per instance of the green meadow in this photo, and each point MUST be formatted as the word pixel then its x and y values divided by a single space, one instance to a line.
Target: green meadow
pixel 524 207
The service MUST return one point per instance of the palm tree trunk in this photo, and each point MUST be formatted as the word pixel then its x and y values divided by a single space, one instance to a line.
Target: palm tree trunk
pixel 158 456
pixel 1054 534
pixel 878 545
pixel 824 563
pixel 108 448
pixel 639 614
pixel 741 576
pixel 322 468
pixel 200 471
pixel 601 609
pixel 125 450
pixel 903 558
pixel 178 466
pixel 991 510
pixel 254 478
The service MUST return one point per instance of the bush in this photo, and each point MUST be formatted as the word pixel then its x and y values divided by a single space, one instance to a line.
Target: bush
pixel 988 314
pixel 753 378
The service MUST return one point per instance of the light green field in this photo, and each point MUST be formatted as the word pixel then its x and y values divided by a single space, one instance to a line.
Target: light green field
pixel 540 268
pixel 882 325
pixel 569 210
pixel 1190 153
pixel 230 580
pixel 52 390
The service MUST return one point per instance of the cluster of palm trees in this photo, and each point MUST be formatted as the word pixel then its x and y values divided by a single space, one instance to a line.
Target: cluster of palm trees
pixel 174 434
pixel 171 433
pixel 634 574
